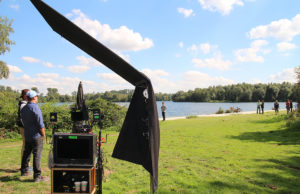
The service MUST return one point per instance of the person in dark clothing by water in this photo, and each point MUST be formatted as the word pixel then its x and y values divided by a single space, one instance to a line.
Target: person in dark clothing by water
pixel 276 106
pixel 262 105
pixel 34 132
pixel 291 106
pixel 163 110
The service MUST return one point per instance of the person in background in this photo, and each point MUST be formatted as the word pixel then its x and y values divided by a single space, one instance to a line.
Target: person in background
pixel 163 110
pixel 276 106
pixel 291 106
pixel 34 132
pixel 262 105
pixel 258 107
pixel 287 106
pixel 22 103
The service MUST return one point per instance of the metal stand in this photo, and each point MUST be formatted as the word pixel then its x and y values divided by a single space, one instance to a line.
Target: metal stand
pixel 99 165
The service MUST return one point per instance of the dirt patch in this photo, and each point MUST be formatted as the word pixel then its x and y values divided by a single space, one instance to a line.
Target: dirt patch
pixel 273 187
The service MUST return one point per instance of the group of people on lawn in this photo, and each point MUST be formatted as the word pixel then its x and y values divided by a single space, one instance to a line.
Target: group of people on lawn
pixel 261 106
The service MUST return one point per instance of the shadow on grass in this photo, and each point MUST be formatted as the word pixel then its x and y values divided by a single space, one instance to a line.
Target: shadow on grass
pixel 288 180
pixel 222 185
pixel 8 170
pixel 285 136
pixel 15 178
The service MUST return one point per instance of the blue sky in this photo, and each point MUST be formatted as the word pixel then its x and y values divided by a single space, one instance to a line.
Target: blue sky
pixel 178 44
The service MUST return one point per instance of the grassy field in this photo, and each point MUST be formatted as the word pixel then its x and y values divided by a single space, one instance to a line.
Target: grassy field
pixel 232 154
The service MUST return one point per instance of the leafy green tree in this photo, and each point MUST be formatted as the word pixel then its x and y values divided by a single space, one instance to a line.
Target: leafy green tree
pixel 272 91
pixel 35 89
pixel 52 94
pixel 5 43
pixel 258 94
pixel 285 91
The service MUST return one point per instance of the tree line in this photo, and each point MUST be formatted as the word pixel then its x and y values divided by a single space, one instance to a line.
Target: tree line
pixel 240 93
pixel 231 93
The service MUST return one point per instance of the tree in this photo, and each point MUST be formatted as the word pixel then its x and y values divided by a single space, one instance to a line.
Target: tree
pixel 5 43
pixel 35 89
pixel 52 94
pixel 272 92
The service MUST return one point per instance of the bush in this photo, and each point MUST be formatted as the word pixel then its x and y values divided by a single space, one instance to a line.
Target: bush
pixel 191 117
pixel 220 111
pixel 8 111
pixel 293 121
pixel 63 111
pixel 113 114
pixel 228 111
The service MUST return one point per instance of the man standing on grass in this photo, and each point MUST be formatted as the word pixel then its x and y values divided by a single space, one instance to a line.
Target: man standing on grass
pixel 163 110
pixel 34 131
pixel 22 103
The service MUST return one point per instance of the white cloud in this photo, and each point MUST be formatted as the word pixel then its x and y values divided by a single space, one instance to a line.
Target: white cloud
pixel 65 85
pixel 205 48
pixel 284 46
pixel 283 29
pixel 215 63
pixel 112 77
pixel 122 39
pixel 181 44
pixel 14 69
pixel 15 7
pixel 222 6
pixel 256 81
pixel 193 49
pixel 186 12
pixel 250 54
pixel 88 61
pixel 287 75
pixel 48 64
pixel 30 60
pixel 78 68
pixel 159 80
pixel 196 79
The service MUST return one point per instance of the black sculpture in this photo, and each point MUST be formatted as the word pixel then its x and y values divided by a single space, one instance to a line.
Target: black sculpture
pixel 139 138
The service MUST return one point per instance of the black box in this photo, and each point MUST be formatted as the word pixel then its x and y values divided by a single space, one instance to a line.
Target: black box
pixel 63 179
pixel 74 149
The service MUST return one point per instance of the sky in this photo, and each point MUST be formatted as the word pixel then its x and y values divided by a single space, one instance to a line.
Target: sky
pixel 178 44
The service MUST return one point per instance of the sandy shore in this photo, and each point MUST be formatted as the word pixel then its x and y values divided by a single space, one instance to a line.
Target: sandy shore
pixel 217 115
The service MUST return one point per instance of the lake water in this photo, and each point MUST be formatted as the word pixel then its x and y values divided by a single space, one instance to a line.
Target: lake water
pixel 183 109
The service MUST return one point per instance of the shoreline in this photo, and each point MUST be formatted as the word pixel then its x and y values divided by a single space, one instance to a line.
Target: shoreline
pixel 215 115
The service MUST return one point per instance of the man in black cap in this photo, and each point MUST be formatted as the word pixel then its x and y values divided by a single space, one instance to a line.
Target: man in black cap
pixel 34 131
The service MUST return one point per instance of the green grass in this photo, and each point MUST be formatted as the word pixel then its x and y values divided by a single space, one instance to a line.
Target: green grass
pixel 230 154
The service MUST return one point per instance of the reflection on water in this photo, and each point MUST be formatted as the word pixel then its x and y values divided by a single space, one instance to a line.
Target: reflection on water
pixel 181 109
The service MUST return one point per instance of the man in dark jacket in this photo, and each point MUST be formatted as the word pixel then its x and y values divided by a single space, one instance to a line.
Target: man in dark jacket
pixel 34 132
pixel 22 103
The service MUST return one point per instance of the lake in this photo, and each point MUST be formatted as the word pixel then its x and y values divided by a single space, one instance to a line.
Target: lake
pixel 183 109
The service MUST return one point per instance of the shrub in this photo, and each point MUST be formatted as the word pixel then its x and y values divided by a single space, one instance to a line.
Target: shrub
pixel 113 114
pixel 191 117
pixel 8 110
pixel 220 111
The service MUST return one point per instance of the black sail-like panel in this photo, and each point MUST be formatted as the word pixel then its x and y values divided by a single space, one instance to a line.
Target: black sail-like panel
pixel 139 138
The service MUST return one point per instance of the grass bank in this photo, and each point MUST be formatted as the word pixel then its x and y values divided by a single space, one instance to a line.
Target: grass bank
pixel 233 154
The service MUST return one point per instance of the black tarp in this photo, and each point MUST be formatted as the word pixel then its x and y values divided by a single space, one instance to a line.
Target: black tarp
pixel 139 138
pixel 80 103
